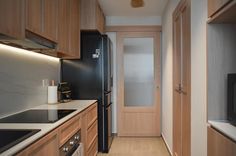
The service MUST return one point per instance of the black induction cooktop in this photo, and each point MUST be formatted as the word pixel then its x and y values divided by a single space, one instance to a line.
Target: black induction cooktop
pixel 11 137
pixel 37 116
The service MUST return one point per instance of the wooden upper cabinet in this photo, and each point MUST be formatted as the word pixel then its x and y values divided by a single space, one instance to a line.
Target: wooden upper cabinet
pixel 216 5
pixel 100 19
pixel 69 29
pixel 74 30
pixel 92 17
pixel 41 18
pixel 9 10
pixel 222 11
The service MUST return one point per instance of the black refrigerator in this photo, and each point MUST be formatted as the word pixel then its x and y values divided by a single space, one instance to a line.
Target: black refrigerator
pixel 91 77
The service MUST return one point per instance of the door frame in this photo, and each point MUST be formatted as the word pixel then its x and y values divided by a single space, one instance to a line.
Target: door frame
pixel 120 79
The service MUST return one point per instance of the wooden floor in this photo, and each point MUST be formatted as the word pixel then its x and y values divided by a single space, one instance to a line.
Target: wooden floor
pixel 137 147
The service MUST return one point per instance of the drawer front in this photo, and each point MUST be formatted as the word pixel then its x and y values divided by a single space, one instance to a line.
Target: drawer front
pixel 92 134
pixel 93 150
pixel 91 115
pixel 68 129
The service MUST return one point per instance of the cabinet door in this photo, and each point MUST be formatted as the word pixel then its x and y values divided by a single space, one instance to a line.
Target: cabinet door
pixel 219 145
pixel 11 18
pixel 41 18
pixel 100 19
pixel 216 5
pixel 63 27
pixel 50 19
pixel 74 30
pixel 34 19
pixel 48 145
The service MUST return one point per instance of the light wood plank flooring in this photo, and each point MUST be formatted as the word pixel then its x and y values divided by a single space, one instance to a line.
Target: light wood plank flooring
pixel 126 146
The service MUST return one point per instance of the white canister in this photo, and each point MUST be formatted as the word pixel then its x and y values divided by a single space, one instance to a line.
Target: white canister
pixel 52 95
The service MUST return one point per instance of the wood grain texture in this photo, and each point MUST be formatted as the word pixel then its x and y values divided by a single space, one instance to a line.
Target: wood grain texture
pixel 227 14
pixel 126 146
pixel 93 149
pixel 68 129
pixel 133 29
pixel 74 29
pixel 34 16
pixel 50 19
pixel 91 115
pixel 92 135
pixel 48 145
pixel 215 5
pixel 88 14
pixel 132 120
pixel 63 21
pixel 9 10
pixel 219 145
pixel 182 80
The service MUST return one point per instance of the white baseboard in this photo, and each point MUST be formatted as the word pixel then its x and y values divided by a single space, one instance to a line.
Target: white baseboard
pixel 168 148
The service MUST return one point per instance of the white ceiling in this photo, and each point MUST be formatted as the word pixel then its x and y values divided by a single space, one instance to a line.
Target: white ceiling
pixel 123 8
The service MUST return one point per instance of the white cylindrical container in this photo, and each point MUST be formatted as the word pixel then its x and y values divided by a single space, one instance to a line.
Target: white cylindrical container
pixel 52 95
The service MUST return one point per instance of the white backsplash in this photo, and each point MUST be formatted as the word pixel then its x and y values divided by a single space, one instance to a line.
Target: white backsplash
pixel 21 76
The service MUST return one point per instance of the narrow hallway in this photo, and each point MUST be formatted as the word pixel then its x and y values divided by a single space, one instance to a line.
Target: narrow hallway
pixel 128 146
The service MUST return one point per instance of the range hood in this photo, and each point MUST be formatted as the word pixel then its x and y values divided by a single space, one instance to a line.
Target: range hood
pixel 31 42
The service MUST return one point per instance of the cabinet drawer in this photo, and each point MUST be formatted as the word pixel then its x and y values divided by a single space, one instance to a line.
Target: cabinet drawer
pixel 92 134
pixel 68 129
pixel 93 150
pixel 91 115
pixel 48 145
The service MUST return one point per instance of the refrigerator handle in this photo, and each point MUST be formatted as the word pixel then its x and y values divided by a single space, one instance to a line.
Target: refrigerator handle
pixel 107 92
pixel 96 54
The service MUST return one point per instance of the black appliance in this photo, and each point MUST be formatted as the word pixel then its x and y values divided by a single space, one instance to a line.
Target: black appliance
pixel 11 137
pixel 73 146
pixel 232 99
pixel 64 92
pixel 37 116
pixel 91 78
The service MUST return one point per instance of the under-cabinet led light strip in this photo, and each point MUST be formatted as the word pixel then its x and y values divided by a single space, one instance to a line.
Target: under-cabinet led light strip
pixel 27 52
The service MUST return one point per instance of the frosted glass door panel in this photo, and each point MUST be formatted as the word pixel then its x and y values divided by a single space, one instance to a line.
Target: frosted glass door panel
pixel 138 72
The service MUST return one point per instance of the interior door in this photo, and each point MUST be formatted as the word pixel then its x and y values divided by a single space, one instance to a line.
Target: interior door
pixel 181 80
pixel 139 84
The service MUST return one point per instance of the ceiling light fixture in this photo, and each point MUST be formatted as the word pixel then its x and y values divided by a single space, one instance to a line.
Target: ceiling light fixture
pixel 137 3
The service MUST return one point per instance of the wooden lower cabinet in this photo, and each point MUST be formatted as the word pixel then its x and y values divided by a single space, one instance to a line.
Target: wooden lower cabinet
pixel 48 145
pixel 51 142
pixel 219 145
pixel 90 132
pixel 93 149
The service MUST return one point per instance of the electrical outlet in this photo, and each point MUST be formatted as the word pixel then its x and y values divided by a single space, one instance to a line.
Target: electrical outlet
pixel 45 82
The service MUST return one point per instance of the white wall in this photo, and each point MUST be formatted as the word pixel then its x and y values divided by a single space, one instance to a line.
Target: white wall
pixel 167 71
pixel 198 78
pixel 132 20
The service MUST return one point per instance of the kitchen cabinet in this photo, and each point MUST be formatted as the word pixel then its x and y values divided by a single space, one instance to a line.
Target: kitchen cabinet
pixel 48 145
pixel 86 121
pixel 89 130
pixel 222 11
pixel 41 18
pixel 69 29
pixel 216 5
pixel 219 145
pixel 92 16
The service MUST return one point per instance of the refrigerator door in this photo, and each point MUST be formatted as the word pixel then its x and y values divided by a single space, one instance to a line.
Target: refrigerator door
pixel 107 63
pixel 107 122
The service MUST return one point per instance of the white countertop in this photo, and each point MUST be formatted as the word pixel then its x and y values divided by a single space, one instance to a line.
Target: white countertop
pixel 224 127
pixel 79 105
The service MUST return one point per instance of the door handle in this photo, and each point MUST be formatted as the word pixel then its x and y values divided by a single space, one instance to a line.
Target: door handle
pixel 178 89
